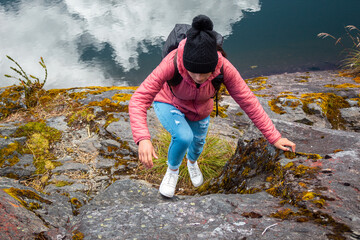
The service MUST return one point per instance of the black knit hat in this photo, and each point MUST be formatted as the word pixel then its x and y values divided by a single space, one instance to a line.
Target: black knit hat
pixel 200 53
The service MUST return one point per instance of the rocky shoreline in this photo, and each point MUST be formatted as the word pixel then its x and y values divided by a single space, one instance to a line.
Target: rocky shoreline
pixel 67 167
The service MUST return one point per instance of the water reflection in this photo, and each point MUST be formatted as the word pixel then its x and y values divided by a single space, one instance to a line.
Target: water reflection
pixel 65 32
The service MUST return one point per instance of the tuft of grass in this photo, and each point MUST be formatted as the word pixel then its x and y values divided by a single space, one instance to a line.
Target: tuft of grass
pixel 216 153
pixel 351 63
pixel 32 85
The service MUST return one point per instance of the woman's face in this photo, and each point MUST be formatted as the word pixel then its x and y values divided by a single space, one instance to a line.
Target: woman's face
pixel 199 78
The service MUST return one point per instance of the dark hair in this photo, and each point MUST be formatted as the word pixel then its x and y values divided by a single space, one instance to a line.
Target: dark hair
pixel 221 50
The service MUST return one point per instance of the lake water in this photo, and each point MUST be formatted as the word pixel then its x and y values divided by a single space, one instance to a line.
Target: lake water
pixel 103 42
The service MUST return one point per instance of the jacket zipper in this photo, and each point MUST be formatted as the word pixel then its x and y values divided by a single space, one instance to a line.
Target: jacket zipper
pixel 196 95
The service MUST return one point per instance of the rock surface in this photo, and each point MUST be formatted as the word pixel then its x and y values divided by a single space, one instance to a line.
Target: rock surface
pixel 81 156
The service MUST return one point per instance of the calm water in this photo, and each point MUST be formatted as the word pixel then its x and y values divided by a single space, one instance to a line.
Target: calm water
pixel 119 42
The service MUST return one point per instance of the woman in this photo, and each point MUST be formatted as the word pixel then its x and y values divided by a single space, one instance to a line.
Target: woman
pixel 184 110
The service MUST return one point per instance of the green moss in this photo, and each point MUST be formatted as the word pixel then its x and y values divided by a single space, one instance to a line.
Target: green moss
pixel 23 196
pixel 109 106
pixel 319 202
pixel 309 196
pixel 110 119
pixel 283 214
pixel 250 191
pixel 85 115
pixel 345 85
pixel 290 191
pixel 76 203
pixel 330 105
pixel 40 137
pixel 8 153
pixel 121 97
pixel 77 235
pixel 63 183
pixel 262 95
pixel 34 206
pixel 256 84
pixel 10 98
pixel 277 104
pixel 30 128
pixel 275 108
pixel 292 155
pixel 221 111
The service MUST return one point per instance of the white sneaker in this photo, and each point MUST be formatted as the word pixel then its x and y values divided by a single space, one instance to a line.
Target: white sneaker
pixel 195 173
pixel 168 184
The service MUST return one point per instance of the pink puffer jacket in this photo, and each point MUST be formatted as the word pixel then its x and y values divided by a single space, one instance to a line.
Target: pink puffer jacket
pixel 195 103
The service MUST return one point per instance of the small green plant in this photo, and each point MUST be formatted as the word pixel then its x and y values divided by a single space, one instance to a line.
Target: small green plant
pixel 216 153
pixel 351 63
pixel 32 85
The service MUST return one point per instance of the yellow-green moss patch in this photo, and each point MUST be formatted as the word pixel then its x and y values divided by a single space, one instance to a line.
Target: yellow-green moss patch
pixel 84 115
pixel 121 97
pixel 63 183
pixel 109 106
pixel 8 154
pixel 23 195
pixel 256 84
pixel 221 111
pixel 330 104
pixel 285 100
pixel 292 155
pixel 345 85
pixel 77 235
pixel 40 137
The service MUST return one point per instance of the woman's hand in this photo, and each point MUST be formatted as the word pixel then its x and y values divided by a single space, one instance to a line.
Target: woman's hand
pixel 283 143
pixel 146 153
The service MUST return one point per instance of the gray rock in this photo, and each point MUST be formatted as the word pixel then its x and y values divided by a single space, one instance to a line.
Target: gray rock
pixel 341 176
pixel 56 178
pixel 88 144
pixel 17 221
pixel 65 159
pixel 104 163
pixel 71 166
pixel 316 109
pixel 131 209
pixel 54 211
pixel 353 103
pixel 121 129
pixel 76 187
pixel 98 97
pixel 321 141
pixel 111 143
pixel 7 129
pixel 352 117
pixel 22 169
pixel 58 123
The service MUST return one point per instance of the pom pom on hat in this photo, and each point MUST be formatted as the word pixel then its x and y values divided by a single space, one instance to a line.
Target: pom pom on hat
pixel 202 23
pixel 200 52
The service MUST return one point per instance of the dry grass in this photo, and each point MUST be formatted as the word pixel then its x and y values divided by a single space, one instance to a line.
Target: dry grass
pixel 77 174
pixel 85 157
pixel 212 160
pixel 37 182
pixel 60 105
pixel 351 62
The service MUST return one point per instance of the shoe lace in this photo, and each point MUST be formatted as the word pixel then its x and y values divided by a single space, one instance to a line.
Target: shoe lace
pixel 193 171
pixel 171 179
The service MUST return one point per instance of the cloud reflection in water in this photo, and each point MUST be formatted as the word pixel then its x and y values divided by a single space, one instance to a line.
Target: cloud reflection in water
pixel 61 32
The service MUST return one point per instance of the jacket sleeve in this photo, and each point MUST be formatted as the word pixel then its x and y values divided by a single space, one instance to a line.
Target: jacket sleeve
pixel 143 97
pixel 248 102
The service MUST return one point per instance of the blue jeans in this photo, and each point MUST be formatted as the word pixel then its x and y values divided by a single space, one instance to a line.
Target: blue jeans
pixel 187 137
